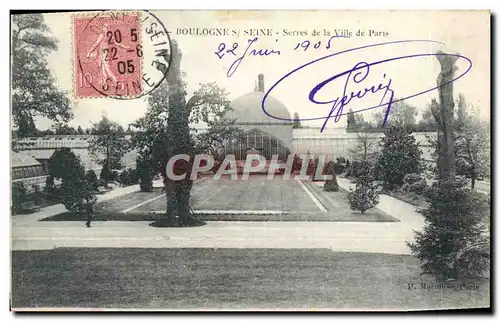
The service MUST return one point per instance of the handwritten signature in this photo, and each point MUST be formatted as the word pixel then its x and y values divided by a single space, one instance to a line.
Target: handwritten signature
pixel 357 75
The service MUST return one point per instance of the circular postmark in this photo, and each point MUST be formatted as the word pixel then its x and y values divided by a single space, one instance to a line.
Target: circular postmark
pixel 120 54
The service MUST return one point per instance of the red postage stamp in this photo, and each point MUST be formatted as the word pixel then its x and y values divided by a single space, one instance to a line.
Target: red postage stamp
pixel 108 56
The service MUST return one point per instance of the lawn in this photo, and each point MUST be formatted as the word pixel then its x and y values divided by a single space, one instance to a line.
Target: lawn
pixel 230 279
pixel 254 200
pixel 414 199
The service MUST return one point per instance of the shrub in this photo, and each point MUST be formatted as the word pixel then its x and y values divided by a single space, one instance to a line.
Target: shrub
pixel 106 173
pixel 123 177
pixel 128 177
pixel 133 176
pixel 412 178
pixel 373 161
pixel 37 195
pixel 92 180
pixel 331 185
pixel 19 196
pixel 400 155
pixel 114 175
pixel 145 172
pixel 454 222
pixel 359 168
pixel 338 168
pixel 341 160
pixel 414 183
pixel 146 185
pixel 50 190
pixel 101 183
pixel 76 193
pixel 63 163
pixel 362 170
pixel 354 169
pixel 365 195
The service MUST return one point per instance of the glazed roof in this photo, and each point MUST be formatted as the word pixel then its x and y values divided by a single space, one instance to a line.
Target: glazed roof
pixel 248 108
pixel 23 160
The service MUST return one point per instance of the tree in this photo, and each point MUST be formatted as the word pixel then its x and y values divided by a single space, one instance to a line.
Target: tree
pixel 209 105
pixel 212 140
pixel 79 130
pixel 76 193
pixel 464 125
pixel 351 122
pixel 427 123
pixel 360 122
pixel 365 143
pixel 296 120
pixel 473 147
pixel 91 179
pixel 461 113
pixel 63 163
pixel 47 132
pixel 221 129
pixel 400 155
pixel 443 113
pixel 453 222
pixel 64 129
pixel 110 142
pixel 454 217
pixel 364 196
pixel 356 121
pixel 401 114
pixel 150 137
pixel 51 190
pixel 34 92
pixel 128 177
pixel 179 141
pixel 106 173
pixel 145 172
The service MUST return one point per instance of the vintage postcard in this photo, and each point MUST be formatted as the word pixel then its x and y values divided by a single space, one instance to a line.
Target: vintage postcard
pixel 250 160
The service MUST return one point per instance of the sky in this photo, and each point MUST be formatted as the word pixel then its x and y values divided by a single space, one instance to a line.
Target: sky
pixel 463 32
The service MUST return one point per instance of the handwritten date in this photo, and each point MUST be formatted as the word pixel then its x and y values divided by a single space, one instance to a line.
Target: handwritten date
pixel 249 50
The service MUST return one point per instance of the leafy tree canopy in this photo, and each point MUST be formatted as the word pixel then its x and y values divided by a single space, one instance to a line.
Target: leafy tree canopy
pixel 400 155
pixel 64 164
pixel 34 92
pixel 110 141
pixel 401 114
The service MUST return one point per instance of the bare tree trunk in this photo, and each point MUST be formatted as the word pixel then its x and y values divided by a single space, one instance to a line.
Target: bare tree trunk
pixel 445 117
pixel 171 200
pixel 178 192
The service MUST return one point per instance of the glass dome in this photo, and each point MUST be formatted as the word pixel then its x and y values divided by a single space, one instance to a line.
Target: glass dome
pixel 248 109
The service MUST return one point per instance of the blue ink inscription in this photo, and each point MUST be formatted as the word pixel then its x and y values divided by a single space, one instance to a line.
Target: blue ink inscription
pixel 357 75
pixel 339 103
pixel 249 51
pixel 306 43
